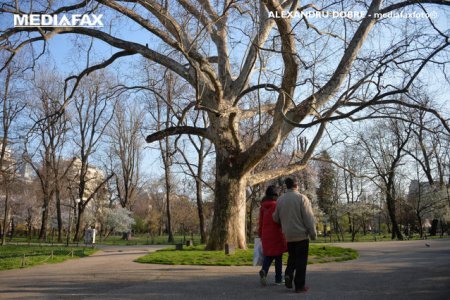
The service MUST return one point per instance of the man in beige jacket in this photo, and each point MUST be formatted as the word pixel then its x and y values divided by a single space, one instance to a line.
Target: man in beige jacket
pixel 294 213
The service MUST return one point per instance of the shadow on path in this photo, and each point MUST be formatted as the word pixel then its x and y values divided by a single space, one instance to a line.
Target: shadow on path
pixel 387 270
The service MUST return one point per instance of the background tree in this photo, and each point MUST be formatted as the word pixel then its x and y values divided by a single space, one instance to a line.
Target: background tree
pixel 202 148
pixel 385 148
pixel 11 106
pixel 325 191
pixel 94 105
pixel 425 150
pixel 162 116
pixel 118 219
pixel 43 146
pixel 126 151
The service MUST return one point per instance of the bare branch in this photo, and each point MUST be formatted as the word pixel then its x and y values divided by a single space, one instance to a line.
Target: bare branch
pixel 91 69
pixel 399 5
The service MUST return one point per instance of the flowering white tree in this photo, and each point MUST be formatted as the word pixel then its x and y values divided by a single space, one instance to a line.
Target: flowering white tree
pixel 118 219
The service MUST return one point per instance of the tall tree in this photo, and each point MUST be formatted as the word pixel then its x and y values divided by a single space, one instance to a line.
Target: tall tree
pixel 327 184
pixel 195 169
pixel 327 178
pixel 45 143
pixel 94 105
pixel 167 150
pixel 126 151
pixel 11 105
pixel 427 137
pixel 305 87
pixel 385 149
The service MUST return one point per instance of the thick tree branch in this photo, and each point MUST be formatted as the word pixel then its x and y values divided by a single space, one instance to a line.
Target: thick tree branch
pixel 265 27
pixel 264 176
pixel 143 22
pixel 177 131
pixel 116 42
pixel 169 22
pixel 253 155
pixel 266 86
pixel 249 113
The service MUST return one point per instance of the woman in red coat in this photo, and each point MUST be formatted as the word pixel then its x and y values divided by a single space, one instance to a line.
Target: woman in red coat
pixel 272 238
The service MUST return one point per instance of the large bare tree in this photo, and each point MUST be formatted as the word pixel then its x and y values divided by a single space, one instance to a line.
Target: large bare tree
pixel 320 70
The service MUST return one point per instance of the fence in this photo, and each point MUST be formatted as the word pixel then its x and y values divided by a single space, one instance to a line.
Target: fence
pixel 36 257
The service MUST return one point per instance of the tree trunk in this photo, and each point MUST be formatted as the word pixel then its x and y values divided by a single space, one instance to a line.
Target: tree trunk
pixel 419 219
pixel 229 207
pixel 13 228
pixel 198 185
pixel 168 212
pixel 250 218
pixel 44 220
pixel 396 233
pixel 80 211
pixel 5 219
pixel 58 212
pixel 29 225
pixel 434 226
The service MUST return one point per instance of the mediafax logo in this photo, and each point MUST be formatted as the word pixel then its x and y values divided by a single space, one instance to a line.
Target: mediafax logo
pixel 43 20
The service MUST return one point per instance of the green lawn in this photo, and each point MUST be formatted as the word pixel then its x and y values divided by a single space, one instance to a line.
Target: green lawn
pixel 21 256
pixel 385 237
pixel 115 240
pixel 196 255
pixel 146 239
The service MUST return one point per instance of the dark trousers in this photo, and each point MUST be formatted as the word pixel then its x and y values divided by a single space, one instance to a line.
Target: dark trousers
pixel 278 266
pixel 297 261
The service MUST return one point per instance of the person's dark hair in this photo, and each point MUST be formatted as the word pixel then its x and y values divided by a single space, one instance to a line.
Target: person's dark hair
pixel 271 191
pixel 290 182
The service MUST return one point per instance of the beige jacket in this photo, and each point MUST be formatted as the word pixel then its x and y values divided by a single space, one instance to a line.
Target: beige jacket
pixel 295 214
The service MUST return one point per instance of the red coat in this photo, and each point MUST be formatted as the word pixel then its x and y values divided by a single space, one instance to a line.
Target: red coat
pixel 272 237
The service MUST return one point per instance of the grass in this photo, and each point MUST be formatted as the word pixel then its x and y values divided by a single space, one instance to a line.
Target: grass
pixel 146 239
pixel 196 255
pixel 116 240
pixel 20 256
pixel 384 237
pixel 322 254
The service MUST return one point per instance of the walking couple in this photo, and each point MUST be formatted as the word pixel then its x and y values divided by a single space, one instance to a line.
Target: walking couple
pixel 286 224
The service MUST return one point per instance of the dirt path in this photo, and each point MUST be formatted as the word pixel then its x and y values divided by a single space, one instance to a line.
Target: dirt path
pixel 385 270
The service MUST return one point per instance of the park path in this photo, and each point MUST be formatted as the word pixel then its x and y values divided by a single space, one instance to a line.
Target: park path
pixel 385 270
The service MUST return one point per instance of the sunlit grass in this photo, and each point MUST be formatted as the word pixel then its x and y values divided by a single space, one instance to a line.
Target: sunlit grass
pixel 196 255
pixel 146 239
pixel 22 256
